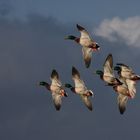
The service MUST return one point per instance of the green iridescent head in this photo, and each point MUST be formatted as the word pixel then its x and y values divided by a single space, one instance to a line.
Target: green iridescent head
pixel 68 85
pixel 42 83
pixel 117 68
pixel 71 37
pixel 99 72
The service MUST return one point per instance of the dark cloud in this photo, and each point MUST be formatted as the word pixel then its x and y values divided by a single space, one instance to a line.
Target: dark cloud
pixel 5 8
pixel 29 50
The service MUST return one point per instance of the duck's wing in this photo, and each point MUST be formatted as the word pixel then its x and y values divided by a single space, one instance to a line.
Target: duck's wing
pixel 131 87
pixel 126 71
pixel 123 65
pixel 87 55
pixel 55 78
pixel 108 66
pixel 122 101
pixel 57 100
pixel 84 33
pixel 76 77
pixel 125 68
pixel 86 101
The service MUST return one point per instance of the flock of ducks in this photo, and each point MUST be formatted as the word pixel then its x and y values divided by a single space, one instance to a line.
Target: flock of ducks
pixel 124 84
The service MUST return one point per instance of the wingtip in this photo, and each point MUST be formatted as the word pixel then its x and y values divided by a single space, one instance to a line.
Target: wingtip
pixel 75 72
pixel 74 69
pixel 121 64
pixel 110 54
pixel 87 65
pixel 54 74
pixel 79 27
pixel 54 70
pixel 122 110
pixel 118 64
pixel 57 108
pixel 90 108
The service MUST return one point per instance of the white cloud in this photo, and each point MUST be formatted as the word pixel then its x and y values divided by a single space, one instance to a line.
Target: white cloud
pixel 127 30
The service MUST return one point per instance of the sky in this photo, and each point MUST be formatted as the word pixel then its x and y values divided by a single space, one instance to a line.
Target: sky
pixel 32 44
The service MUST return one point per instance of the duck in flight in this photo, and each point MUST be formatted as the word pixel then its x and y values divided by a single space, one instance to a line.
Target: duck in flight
pixel 87 43
pixel 80 88
pixel 107 74
pixel 56 89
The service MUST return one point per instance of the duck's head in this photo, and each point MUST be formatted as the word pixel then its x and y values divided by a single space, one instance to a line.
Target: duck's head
pixel 45 85
pixel 117 68
pixel 99 72
pixel 71 37
pixel 68 85
pixel 42 83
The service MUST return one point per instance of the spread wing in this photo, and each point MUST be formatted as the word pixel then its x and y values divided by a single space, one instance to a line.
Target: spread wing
pixel 87 101
pixel 131 87
pixel 122 101
pixel 84 33
pixel 128 73
pixel 125 68
pixel 123 65
pixel 87 54
pixel 55 79
pixel 57 100
pixel 108 66
pixel 123 81
pixel 79 84
pixel 85 39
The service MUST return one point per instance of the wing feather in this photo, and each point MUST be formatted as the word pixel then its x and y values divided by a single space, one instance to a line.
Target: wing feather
pixel 84 33
pixel 55 78
pixel 108 66
pixel 57 100
pixel 87 54
pixel 79 84
pixel 131 87
pixel 122 101
pixel 87 102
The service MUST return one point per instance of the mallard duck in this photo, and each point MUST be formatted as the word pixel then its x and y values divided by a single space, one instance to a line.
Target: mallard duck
pixel 80 88
pixel 126 72
pixel 56 89
pixel 107 75
pixel 88 45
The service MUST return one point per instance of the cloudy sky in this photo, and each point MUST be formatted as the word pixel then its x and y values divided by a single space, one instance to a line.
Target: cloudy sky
pixel 32 44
